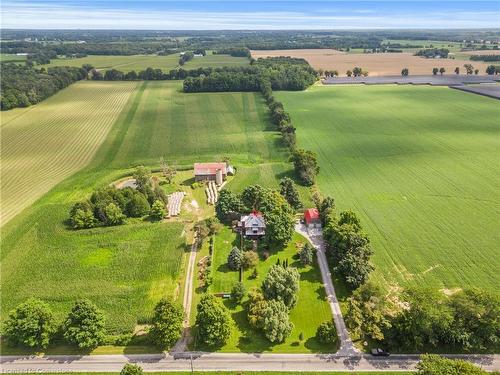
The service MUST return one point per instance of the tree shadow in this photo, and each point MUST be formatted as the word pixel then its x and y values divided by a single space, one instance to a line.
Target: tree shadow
pixel 315 346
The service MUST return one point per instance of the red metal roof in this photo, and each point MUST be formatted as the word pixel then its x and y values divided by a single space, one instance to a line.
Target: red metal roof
pixel 311 214
pixel 203 169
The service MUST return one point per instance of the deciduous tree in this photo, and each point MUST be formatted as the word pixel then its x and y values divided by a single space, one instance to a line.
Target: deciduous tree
pixel 276 323
pixel 166 325
pixel 84 325
pixel 282 284
pixel 213 320
pixel 30 324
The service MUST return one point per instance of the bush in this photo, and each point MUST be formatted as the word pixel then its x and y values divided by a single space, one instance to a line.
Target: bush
pixel 238 292
pixel 306 254
pixel 235 259
pixel 250 259
pixel 130 369
pixel 138 206
pixel 166 327
pixel 113 215
pixel 30 324
pixel 256 307
pixel 84 325
pixel 158 211
pixel 81 219
pixel 433 364
pixel 326 333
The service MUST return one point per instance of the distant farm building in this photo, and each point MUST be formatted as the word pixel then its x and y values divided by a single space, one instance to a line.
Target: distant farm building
pixel 252 225
pixel 212 172
pixel 311 218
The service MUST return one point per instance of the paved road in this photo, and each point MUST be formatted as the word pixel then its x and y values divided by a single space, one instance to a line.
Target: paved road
pixel 316 238
pixel 223 362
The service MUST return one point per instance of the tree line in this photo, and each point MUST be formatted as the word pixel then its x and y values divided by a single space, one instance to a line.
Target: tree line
pixel 419 318
pixel 282 73
pixel 22 86
pixel 111 206
pixel 32 325
pixel 233 51
pixel 485 57
pixel 431 53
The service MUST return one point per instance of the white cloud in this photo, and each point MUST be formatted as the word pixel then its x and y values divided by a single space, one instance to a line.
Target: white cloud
pixel 33 15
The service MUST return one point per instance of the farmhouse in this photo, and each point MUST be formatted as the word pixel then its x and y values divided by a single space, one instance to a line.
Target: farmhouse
pixel 252 225
pixel 212 172
pixel 311 218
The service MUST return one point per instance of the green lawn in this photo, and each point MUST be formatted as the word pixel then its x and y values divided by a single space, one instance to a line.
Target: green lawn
pixel 311 298
pixel 420 167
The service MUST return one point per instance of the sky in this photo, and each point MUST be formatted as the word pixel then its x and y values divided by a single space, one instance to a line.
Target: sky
pixel 248 14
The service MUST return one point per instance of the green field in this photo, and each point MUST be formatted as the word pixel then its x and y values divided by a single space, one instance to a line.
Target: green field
pixel 311 298
pixel 420 167
pixel 214 61
pixel 44 144
pixel 125 269
pixel 184 128
pixel 141 62
pixel 235 373
pixel 4 57
pixel 123 63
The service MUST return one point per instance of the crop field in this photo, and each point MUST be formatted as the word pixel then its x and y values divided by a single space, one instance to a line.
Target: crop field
pixel 184 128
pixel 44 144
pixel 377 64
pixel 123 63
pixel 215 61
pixel 141 62
pixel 420 167
pixel 311 298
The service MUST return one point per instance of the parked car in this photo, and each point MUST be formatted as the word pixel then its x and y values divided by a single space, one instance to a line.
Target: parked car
pixel 380 353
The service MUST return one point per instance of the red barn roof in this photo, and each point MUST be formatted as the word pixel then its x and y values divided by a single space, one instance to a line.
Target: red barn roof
pixel 311 214
pixel 204 169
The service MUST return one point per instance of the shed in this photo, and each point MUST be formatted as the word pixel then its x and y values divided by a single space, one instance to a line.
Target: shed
pixel 312 219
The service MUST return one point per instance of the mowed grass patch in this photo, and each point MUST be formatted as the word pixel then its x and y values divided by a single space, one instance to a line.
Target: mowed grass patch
pixel 186 128
pixel 420 167
pixel 123 63
pixel 311 310
pixel 44 144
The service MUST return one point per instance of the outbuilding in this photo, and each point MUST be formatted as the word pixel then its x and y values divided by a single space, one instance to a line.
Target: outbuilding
pixel 311 218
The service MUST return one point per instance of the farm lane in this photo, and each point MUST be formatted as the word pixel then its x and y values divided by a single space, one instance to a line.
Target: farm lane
pixel 316 239
pixel 183 342
pixel 193 361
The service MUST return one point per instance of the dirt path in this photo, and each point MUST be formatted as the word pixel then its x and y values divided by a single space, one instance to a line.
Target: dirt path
pixel 182 344
pixel 316 239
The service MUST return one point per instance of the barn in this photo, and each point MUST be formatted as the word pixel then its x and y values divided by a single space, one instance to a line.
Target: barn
pixel 210 172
